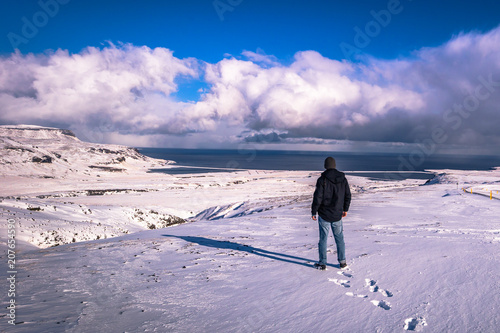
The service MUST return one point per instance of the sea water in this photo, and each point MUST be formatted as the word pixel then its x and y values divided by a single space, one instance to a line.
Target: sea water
pixel 376 165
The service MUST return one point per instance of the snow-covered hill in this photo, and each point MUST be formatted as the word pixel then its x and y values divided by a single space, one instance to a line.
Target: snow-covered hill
pixel 38 164
pixel 45 152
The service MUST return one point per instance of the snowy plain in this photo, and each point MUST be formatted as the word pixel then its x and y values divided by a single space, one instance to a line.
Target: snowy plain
pixel 237 255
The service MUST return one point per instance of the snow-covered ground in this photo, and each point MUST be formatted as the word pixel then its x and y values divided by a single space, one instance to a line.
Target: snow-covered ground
pixel 239 252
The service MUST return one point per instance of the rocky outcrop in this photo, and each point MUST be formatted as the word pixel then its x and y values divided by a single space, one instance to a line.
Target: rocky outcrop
pixel 52 152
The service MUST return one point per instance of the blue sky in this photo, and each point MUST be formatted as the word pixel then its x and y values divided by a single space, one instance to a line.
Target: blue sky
pixel 193 28
pixel 223 37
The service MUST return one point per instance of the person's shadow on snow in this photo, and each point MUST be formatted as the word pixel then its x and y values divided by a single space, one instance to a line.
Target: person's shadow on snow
pixel 244 248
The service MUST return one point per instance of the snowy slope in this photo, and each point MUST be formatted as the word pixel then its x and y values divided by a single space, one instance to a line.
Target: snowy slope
pixel 44 152
pixel 421 257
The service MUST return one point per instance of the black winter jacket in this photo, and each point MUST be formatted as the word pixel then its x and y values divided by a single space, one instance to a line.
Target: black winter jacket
pixel 332 196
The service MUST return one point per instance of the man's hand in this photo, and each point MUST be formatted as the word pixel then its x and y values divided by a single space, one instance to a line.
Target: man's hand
pixel 344 214
pixel 314 217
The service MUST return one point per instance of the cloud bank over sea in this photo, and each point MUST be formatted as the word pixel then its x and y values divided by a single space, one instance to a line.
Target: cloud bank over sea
pixel 448 94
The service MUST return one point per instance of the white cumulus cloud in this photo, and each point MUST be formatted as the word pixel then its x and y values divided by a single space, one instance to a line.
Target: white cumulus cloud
pixel 96 91
pixel 125 93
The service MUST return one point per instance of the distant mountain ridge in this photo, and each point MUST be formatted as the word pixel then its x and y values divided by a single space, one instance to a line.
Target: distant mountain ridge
pixel 34 132
pixel 36 151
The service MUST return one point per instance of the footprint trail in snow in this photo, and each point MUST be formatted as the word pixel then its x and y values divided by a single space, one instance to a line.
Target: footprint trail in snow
pixel 382 304
pixel 343 283
pixel 415 324
pixel 370 284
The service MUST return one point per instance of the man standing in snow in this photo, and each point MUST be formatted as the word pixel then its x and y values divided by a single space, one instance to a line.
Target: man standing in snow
pixel 331 201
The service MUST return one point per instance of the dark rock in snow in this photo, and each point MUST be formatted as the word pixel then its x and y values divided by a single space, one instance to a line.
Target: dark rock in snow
pixel 43 159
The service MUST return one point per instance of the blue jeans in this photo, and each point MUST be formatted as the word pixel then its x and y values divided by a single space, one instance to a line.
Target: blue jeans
pixel 338 234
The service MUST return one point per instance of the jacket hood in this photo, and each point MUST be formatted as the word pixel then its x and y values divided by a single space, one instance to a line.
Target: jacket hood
pixel 334 175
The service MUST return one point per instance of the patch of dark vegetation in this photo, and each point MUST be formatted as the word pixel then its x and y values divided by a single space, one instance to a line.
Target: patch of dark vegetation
pixel 19 149
pixel 96 192
pixel 45 196
pixel 105 151
pixel 114 191
pixel 35 209
pixel 92 192
pixel 166 221
pixel 106 168
pixel 158 220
